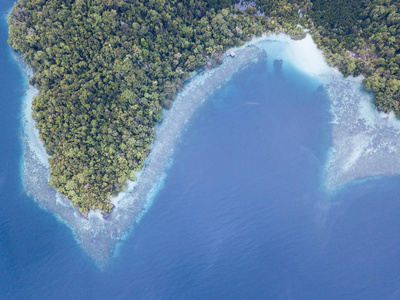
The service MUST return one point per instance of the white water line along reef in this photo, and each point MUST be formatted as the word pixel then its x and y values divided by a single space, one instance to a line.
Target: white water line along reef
pixel 104 70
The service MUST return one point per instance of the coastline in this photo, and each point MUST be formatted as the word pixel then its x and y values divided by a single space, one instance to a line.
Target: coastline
pixel 29 128
pixel 99 236
pixel 365 142
pixel 354 121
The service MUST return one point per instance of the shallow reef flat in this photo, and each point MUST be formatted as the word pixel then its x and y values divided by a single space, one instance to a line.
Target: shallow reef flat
pixel 98 235
pixel 365 143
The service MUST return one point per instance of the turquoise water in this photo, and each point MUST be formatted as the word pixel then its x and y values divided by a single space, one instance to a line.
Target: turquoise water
pixel 243 211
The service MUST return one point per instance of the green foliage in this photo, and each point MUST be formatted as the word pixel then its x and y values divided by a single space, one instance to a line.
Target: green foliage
pixel 362 37
pixel 104 70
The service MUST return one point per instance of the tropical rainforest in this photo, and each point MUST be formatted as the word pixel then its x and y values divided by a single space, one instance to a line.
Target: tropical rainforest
pixel 362 37
pixel 105 69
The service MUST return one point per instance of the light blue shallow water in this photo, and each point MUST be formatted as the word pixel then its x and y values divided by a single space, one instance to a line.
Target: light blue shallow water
pixel 242 213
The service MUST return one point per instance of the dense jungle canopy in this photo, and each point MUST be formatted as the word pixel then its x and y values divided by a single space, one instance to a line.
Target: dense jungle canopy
pixel 106 68
pixel 363 37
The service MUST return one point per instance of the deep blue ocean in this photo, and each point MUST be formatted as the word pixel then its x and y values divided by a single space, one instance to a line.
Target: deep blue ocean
pixel 243 213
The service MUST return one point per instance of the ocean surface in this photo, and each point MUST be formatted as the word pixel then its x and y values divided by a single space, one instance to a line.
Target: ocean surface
pixel 243 212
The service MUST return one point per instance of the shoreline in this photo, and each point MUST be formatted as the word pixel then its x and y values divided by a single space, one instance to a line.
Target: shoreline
pixel 100 236
pixel 365 142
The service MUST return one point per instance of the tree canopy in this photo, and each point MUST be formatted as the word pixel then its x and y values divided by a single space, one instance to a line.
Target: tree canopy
pixel 362 37
pixel 106 68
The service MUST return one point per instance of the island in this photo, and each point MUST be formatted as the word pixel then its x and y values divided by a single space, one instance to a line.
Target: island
pixel 106 69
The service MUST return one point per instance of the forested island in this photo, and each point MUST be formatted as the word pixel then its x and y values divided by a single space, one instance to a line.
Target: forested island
pixel 106 68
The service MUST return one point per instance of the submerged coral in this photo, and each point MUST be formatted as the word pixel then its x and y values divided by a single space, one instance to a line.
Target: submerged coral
pixel 99 235
pixel 364 142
